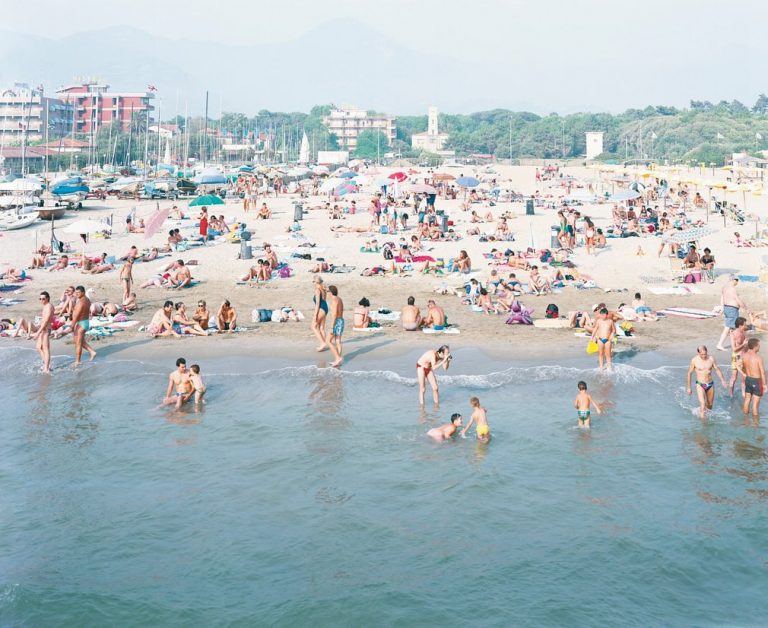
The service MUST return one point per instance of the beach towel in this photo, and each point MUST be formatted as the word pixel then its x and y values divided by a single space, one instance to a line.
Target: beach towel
pixel 685 312
pixel 447 330
pixel 416 258
pixel 675 289
pixel 385 315
pixel 551 323
pixel 8 288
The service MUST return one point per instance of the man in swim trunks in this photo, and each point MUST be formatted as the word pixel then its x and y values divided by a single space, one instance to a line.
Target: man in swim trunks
pixel 161 323
pixel 226 318
pixel 703 364
pixel 427 363
pixel 447 431
pixel 753 371
pixel 738 348
pixel 583 404
pixel 480 419
pixel 43 334
pixel 336 314
pixel 81 324
pixel 180 380
pixel 435 317
pixel 410 316
pixel 730 302
pixel 603 334
pixel 182 277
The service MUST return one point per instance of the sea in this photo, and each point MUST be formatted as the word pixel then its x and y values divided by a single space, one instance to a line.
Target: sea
pixel 308 496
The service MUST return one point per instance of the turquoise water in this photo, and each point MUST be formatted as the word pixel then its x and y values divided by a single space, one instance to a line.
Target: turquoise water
pixel 304 495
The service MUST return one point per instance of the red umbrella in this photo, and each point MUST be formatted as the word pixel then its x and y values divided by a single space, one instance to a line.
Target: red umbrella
pixel 398 176
pixel 155 221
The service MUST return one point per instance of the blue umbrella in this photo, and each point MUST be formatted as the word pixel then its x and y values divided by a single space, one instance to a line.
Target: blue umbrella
pixel 348 175
pixel 467 182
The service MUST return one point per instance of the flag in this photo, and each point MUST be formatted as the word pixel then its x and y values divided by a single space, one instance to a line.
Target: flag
pixel 653 135
pixel 720 136
pixel 151 88
pixel 758 136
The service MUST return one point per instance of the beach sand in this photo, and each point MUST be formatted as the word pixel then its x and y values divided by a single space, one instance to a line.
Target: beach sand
pixel 616 270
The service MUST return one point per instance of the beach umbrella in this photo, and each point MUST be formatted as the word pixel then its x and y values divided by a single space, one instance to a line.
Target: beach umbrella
pixel 398 176
pixel 688 235
pixel 330 184
pixel 345 188
pixel 155 221
pixel 87 227
pixel 443 176
pixel 348 175
pixel 320 170
pixel 468 182
pixel 625 195
pixel 363 179
pixel 422 188
pixel 206 199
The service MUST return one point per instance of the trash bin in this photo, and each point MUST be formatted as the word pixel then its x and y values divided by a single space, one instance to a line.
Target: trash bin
pixel 529 207
pixel 298 211
pixel 442 220
pixel 246 252
pixel 554 243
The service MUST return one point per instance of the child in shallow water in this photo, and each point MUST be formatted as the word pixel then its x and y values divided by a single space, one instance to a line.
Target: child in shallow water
pixel 197 382
pixel 583 404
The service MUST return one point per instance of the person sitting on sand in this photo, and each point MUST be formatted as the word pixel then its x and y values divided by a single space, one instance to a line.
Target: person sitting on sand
pixel 226 317
pixel 265 213
pixel 707 262
pixel 129 304
pixel 484 302
pixel 151 256
pixel 182 325
pixel 447 431
pixel 253 272
pixel 740 242
pixel 202 316
pixel 537 283
pixel 758 320
pixel 643 311
pixel 270 257
pixel 502 230
pixel 321 266
pixel 579 320
pixel 14 275
pixel 691 259
pixel 161 324
pixel 410 316
pixel 62 264
pixel 40 258
pixel 133 253
pixel 462 264
pixel 182 278
pixel 435 317
pixel 361 315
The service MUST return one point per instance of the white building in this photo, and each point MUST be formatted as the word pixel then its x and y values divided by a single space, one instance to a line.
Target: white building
pixel 430 140
pixel 594 144
pixel 347 124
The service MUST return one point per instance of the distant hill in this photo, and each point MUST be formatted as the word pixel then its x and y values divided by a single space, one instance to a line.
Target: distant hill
pixel 341 61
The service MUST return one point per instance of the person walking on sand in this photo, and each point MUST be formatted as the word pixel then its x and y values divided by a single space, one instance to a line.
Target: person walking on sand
pixel 126 278
pixel 480 419
pixel 320 312
pixel 43 334
pixel 81 323
pixel 730 302
pixel 336 314
pixel 603 335
pixel 753 371
pixel 425 367
pixel 703 364
pixel 583 405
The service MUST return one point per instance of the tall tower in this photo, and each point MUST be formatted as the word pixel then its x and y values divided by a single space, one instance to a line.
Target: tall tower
pixel 432 121
pixel 594 144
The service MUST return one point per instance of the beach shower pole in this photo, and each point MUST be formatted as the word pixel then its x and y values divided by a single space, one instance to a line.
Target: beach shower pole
pixel 205 133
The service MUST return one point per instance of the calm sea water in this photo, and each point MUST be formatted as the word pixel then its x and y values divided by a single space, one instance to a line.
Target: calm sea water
pixel 307 496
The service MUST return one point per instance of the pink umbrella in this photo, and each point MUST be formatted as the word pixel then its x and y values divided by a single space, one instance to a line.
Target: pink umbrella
pixel 422 188
pixel 155 221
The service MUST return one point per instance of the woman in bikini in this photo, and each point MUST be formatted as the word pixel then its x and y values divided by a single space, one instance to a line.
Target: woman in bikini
pixel 425 365
pixel 320 312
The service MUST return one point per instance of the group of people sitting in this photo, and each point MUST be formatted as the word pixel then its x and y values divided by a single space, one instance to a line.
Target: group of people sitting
pixel 172 320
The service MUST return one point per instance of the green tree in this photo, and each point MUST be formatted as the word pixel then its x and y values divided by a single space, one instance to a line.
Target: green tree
pixel 371 144
pixel 761 105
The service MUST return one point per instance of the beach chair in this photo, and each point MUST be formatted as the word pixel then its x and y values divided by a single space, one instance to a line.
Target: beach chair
pixel 678 271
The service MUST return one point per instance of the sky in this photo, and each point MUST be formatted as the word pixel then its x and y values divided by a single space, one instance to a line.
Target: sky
pixel 607 55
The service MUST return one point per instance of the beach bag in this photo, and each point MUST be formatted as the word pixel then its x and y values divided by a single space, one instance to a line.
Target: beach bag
pixel 689 278
pixel 388 254
pixel 546 255
pixel 265 316
pixel 552 311
pixel 284 272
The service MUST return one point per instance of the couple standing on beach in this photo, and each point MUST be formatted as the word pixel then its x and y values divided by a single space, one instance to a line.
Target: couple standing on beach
pixel 328 305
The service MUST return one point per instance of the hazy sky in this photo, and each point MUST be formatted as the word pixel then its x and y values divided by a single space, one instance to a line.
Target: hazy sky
pixel 614 53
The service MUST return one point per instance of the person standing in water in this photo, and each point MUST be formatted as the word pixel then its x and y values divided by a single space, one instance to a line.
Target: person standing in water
pixel 603 334
pixel 81 323
pixel 43 334
pixel 730 301
pixel 320 312
pixel 480 419
pixel 738 348
pixel 447 431
pixel 703 364
pixel 753 371
pixel 583 404
pixel 425 365
pixel 336 314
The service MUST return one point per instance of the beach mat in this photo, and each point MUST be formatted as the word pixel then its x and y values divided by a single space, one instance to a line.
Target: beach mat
pixel 551 323
pixel 675 289
pixel 684 312
pixel 448 330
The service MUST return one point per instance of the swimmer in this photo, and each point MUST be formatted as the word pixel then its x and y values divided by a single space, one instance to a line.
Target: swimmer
pixel 425 365
pixel 447 431
pixel 480 419
pixel 179 379
pixel 703 364
pixel 197 383
pixel 583 404
pixel 753 371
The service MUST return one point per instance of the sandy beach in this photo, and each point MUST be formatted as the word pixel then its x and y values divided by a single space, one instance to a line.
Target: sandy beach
pixel 616 271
